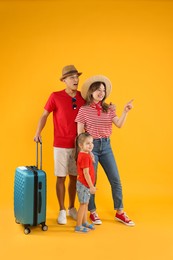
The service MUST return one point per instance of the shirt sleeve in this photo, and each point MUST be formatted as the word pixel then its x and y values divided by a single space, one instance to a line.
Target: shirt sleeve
pixel 80 118
pixel 50 104
pixel 85 162
pixel 113 114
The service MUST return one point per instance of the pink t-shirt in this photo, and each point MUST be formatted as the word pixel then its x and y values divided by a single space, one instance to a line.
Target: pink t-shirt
pixel 65 127
pixel 84 160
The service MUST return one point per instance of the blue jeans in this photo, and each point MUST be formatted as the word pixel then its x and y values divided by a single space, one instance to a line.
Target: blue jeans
pixel 103 154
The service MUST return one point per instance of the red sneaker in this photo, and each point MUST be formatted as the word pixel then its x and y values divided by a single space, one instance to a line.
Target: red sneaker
pixel 95 218
pixel 124 219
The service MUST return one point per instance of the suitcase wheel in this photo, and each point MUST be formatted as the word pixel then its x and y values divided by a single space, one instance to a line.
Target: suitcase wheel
pixel 17 221
pixel 44 227
pixel 27 231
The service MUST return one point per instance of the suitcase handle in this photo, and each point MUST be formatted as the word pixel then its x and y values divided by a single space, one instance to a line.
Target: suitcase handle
pixel 40 155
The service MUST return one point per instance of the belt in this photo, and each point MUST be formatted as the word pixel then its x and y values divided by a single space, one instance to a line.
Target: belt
pixel 102 139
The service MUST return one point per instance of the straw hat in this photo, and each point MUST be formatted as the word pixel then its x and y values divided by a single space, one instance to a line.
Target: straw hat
pixel 69 70
pixel 91 80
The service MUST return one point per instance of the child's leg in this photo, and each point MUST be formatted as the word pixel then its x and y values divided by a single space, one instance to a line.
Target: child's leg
pixel 85 222
pixel 83 195
pixel 81 213
pixel 85 214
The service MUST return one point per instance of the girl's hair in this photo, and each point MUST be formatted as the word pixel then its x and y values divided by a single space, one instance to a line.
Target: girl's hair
pixel 89 97
pixel 80 140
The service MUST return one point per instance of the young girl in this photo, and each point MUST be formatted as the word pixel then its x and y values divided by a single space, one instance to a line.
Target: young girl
pixel 96 118
pixel 86 179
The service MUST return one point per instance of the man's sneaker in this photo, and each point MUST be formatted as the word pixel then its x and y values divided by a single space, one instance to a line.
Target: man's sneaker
pixel 72 213
pixel 95 218
pixel 124 219
pixel 62 220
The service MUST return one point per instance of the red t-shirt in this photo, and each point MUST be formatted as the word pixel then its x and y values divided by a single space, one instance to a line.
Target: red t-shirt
pixel 84 160
pixel 65 127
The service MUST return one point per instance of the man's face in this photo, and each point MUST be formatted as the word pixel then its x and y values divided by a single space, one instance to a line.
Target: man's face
pixel 72 81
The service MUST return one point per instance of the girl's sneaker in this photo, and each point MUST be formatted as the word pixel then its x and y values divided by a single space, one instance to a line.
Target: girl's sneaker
pixel 81 229
pixel 124 219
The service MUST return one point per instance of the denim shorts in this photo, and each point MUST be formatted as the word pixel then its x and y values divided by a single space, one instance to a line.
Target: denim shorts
pixel 83 192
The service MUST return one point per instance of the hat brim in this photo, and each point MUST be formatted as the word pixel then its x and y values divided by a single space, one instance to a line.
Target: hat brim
pixel 91 80
pixel 69 74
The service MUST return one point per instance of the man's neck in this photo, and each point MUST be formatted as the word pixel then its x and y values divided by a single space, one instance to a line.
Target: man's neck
pixel 70 92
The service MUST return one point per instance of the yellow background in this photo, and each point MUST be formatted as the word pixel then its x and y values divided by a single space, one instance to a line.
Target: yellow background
pixel 131 42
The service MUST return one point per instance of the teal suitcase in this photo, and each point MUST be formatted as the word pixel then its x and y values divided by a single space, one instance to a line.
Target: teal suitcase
pixel 30 195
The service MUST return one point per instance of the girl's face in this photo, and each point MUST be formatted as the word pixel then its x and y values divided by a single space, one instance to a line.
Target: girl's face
pixel 87 145
pixel 99 94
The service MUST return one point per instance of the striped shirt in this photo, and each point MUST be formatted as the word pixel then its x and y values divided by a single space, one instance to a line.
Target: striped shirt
pixel 99 126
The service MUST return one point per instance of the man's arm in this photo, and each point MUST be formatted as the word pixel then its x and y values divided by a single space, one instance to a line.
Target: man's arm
pixel 41 125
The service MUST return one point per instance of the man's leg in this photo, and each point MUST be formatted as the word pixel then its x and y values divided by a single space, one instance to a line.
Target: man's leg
pixel 60 191
pixel 72 212
pixel 72 190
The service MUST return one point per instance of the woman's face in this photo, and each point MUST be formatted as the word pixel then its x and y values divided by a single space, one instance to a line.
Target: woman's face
pixel 99 94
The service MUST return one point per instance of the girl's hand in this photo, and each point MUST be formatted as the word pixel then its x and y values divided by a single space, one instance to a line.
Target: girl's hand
pixel 93 190
pixel 128 106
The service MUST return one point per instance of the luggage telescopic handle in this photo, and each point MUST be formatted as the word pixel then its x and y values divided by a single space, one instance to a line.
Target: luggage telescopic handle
pixel 40 155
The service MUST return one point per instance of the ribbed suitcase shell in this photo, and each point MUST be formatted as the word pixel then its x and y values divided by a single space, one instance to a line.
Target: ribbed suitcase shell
pixel 25 197
pixel 30 195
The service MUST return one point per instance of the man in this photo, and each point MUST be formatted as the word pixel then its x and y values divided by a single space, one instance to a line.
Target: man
pixel 65 105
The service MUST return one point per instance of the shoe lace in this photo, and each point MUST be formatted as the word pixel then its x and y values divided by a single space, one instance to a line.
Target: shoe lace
pixel 95 215
pixel 126 217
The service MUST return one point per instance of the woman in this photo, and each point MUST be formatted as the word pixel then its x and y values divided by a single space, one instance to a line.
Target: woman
pixel 96 118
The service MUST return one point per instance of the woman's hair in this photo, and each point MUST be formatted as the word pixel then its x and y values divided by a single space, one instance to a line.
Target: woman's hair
pixel 89 97
pixel 80 139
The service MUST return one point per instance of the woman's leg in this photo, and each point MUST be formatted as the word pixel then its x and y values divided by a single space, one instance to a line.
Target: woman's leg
pixel 92 205
pixel 108 163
